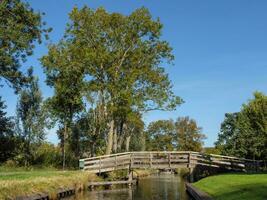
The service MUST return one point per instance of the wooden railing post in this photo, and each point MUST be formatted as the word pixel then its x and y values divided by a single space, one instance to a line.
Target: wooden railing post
pixel 150 159
pixel 189 159
pixel 131 160
pixel 99 165
pixel 116 162
pixel 191 169
pixel 169 159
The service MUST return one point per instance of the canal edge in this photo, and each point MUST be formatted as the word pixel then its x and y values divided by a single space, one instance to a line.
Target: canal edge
pixel 195 193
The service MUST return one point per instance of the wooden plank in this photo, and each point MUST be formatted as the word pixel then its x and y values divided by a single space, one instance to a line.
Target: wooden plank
pixel 111 183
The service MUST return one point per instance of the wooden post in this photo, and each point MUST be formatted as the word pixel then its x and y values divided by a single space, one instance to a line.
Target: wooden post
pixel 116 162
pixel 130 174
pixel 130 179
pixel 131 161
pixel 191 169
pixel 99 165
pixel 191 174
pixel 150 159
pixel 189 160
pixel 169 160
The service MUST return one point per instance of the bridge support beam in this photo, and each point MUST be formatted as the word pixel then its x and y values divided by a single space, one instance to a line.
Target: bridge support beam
pixel 130 175
pixel 191 174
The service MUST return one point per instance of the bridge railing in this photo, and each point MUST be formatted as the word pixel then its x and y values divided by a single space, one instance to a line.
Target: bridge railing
pixel 160 159
pixel 165 160
pixel 226 162
pixel 106 162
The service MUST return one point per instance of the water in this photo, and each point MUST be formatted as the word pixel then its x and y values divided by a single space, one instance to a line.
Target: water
pixel 161 187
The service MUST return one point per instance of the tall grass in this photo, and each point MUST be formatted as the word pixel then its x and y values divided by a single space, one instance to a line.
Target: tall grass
pixel 22 183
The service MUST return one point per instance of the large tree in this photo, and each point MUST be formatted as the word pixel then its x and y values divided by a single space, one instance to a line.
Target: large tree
pixel 245 133
pixel 121 59
pixel 65 75
pixel 20 28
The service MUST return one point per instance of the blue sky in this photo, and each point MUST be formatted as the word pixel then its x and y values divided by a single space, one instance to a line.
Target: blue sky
pixel 220 50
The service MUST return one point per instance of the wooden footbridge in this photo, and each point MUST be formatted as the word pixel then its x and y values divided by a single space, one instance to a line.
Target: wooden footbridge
pixel 165 160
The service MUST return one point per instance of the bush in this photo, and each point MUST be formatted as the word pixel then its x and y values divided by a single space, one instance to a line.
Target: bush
pixel 47 155
pixel 10 164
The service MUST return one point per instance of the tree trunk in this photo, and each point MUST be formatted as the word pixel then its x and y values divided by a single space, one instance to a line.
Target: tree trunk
pixel 115 140
pixel 143 141
pixel 63 146
pixel 110 138
pixel 120 142
pixel 92 148
pixel 127 143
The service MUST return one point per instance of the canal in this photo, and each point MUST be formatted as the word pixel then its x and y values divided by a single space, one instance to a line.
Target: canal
pixel 161 187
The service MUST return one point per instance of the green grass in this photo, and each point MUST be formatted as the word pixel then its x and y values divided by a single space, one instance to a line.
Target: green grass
pixel 17 182
pixel 235 186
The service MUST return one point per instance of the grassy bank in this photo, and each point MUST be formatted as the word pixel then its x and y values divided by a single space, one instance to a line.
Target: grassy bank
pixel 18 182
pixel 235 186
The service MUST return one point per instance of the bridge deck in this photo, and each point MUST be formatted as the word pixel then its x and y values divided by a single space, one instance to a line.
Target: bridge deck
pixel 164 160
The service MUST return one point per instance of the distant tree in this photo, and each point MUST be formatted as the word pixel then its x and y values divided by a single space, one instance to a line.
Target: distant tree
pixel 211 150
pixel 188 135
pixel 227 141
pixel 160 136
pixel 7 139
pixel 138 141
pixel 245 133
pixel 31 119
pixel 20 28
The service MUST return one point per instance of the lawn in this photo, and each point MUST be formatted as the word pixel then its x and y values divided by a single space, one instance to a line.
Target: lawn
pixel 20 183
pixel 235 186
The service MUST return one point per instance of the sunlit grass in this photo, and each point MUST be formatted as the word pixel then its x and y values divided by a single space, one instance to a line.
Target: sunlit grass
pixel 235 186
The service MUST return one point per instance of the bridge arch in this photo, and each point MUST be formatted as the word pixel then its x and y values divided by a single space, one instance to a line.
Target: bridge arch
pixel 165 160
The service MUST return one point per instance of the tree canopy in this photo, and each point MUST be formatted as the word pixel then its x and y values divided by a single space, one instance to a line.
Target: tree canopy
pixel 182 135
pixel 245 133
pixel 20 29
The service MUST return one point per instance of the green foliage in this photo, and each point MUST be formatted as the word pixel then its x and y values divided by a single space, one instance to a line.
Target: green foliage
pixel 31 119
pixel 167 135
pixel 122 55
pixel 188 135
pixel 245 133
pixel 7 138
pixel 211 150
pixel 91 129
pixel 20 28
pixel 160 136
pixel 47 155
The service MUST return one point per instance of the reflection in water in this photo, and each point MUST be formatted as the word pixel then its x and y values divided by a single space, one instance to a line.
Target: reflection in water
pixel 162 187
